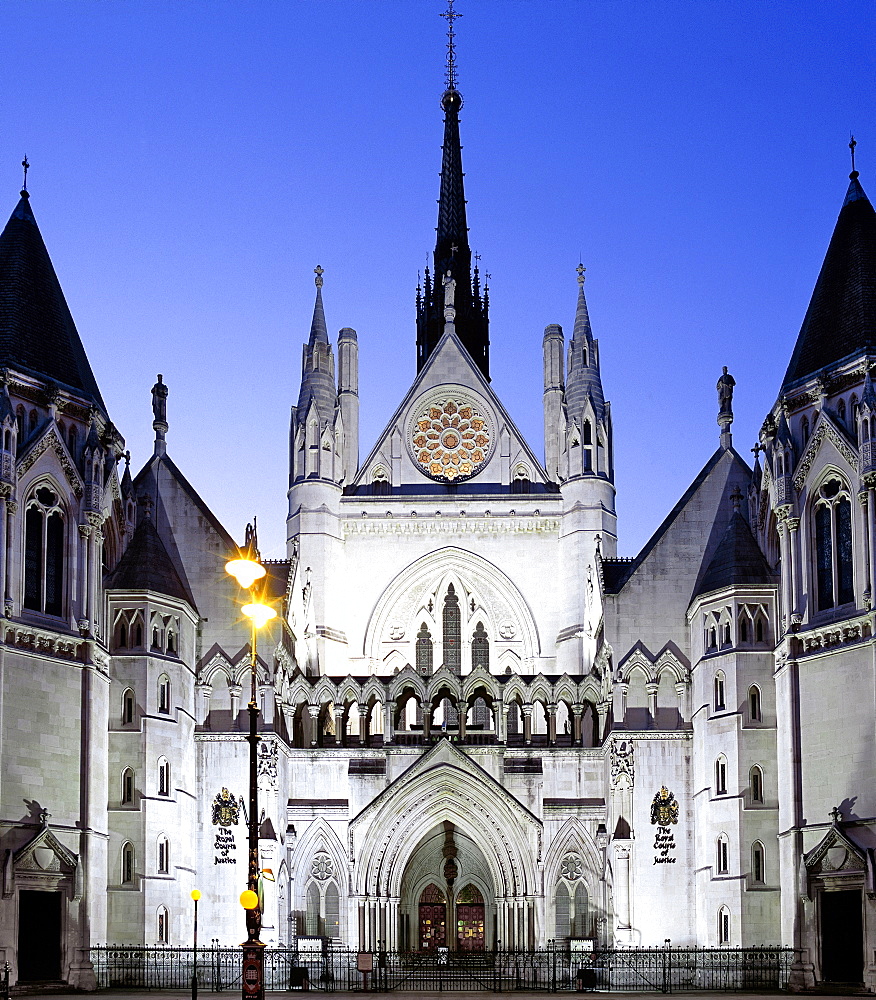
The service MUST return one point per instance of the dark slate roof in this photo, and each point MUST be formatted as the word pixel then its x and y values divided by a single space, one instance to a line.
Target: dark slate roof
pixel 147 566
pixel 737 560
pixel 37 332
pixel 841 318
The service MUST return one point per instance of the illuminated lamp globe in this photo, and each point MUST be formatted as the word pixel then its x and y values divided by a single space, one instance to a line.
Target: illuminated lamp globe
pixel 249 900
pixel 245 571
pixel 259 614
pixel 196 894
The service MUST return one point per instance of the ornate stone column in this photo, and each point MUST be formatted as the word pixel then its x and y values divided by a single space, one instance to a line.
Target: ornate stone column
pixel 462 715
pixel 313 712
pixel 651 691
pixel 527 724
pixel 364 713
pixel 784 549
pixel 577 722
pixel 234 691
pixel 865 518
pixel 427 723
pixel 794 550
pixel 552 724
pixel 9 521
pixel 85 591
pixel 501 710
pixel 602 710
pixel 624 688
pixel 870 482
pixel 388 721
pixel 340 728
pixel 681 694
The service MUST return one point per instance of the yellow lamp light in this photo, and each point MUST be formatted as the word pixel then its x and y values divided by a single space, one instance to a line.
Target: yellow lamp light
pixel 196 894
pixel 245 571
pixel 249 900
pixel 259 614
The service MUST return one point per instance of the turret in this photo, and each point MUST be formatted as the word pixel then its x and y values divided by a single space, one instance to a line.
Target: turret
pixel 348 400
pixel 8 441
pixel 553 347
pixel 314 418
pixel 587 448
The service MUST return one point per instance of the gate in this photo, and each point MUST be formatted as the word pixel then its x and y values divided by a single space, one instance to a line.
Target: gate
pixel 321 965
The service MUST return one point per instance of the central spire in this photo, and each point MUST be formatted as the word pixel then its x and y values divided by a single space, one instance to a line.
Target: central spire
pixel 452 256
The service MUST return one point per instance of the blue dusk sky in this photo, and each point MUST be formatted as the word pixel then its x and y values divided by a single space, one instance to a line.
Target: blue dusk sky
pixel 193 162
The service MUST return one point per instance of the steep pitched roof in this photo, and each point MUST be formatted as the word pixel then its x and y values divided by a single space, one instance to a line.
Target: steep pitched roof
pixel 841 318
pixel 147 566
pixel 737 560
pixel 37 332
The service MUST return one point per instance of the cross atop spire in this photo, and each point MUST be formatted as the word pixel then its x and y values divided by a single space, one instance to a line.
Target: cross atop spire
pixel 854 174
pixel 450 72
pixel 580 269
pixel 26 167
pixel 319 272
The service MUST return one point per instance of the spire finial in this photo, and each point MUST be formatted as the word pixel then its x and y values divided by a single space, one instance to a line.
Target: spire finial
pixel 450 73
pixel 319 272
pixel 26 167
pixel 852 143
pixel 580 269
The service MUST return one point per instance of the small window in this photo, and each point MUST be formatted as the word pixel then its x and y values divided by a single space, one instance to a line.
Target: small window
pixel 723 925
pixel 720 695
pixel 804 429
pixel 128 708
pixel 722 861
pixel 127 787
pixel 758 873
pixel 841 410
pixel 758 629
pixel 156 639
pixel 163 925
pixel 71 441
pixel 33 419
pixel 754 711
pixel 164 694
pixel 127 864
pixel 122 635
pixel 712 640
pixel 163 855
pixel 721 776
pixel 725 634
pixel 756 783
pixel 138 636
pixel 743 628
pixel 171 643
pixel 163 776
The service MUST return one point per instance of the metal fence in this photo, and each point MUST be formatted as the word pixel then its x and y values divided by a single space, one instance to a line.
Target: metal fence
pixel 663 969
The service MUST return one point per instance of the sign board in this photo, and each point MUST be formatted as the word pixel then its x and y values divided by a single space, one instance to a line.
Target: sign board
pixel 365 961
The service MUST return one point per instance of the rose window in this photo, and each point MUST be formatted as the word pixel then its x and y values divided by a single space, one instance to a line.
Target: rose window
pixel 451 440
pixel 571 868
pixel 322 867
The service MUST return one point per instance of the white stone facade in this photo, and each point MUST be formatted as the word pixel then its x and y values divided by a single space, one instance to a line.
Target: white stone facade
pixel 468 700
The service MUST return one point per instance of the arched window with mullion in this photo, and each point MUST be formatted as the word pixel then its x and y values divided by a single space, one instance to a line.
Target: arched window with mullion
pixel 834 575
pixel 44 553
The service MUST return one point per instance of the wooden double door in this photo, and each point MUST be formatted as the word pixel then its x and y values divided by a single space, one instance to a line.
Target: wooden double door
pixel 469 918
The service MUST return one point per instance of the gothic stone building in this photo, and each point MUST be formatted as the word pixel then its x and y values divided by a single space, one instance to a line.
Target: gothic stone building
pixel 480 727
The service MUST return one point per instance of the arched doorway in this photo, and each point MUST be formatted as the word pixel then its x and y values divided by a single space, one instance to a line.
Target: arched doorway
pixel 470 919
pixel 432 919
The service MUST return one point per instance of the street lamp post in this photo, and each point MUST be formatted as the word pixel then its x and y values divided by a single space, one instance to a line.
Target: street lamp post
pixel 247 570
pixel 196 895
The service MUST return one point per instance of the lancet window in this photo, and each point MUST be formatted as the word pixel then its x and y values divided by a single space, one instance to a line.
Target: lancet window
pixel 163 925
pixel 452 627
pixel 44 553
pixel 758 867
pixel 423 651
pixel 833 545
pixel 480 648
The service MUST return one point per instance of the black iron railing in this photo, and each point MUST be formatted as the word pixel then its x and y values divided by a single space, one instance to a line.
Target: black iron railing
pixel 665 969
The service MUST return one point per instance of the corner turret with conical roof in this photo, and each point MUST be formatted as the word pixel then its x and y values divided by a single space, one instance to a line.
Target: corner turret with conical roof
pixel 578 432
pixel 323 435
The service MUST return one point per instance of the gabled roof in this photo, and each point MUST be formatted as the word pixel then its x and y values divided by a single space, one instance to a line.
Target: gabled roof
pixel 616 572
pixel 37 332
pixel 841 318
pixel 738 560
pixel 147 566
pixel 155 463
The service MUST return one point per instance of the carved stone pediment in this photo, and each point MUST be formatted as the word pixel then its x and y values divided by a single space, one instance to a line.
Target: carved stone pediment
pixel 45 854
pixel 836 855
